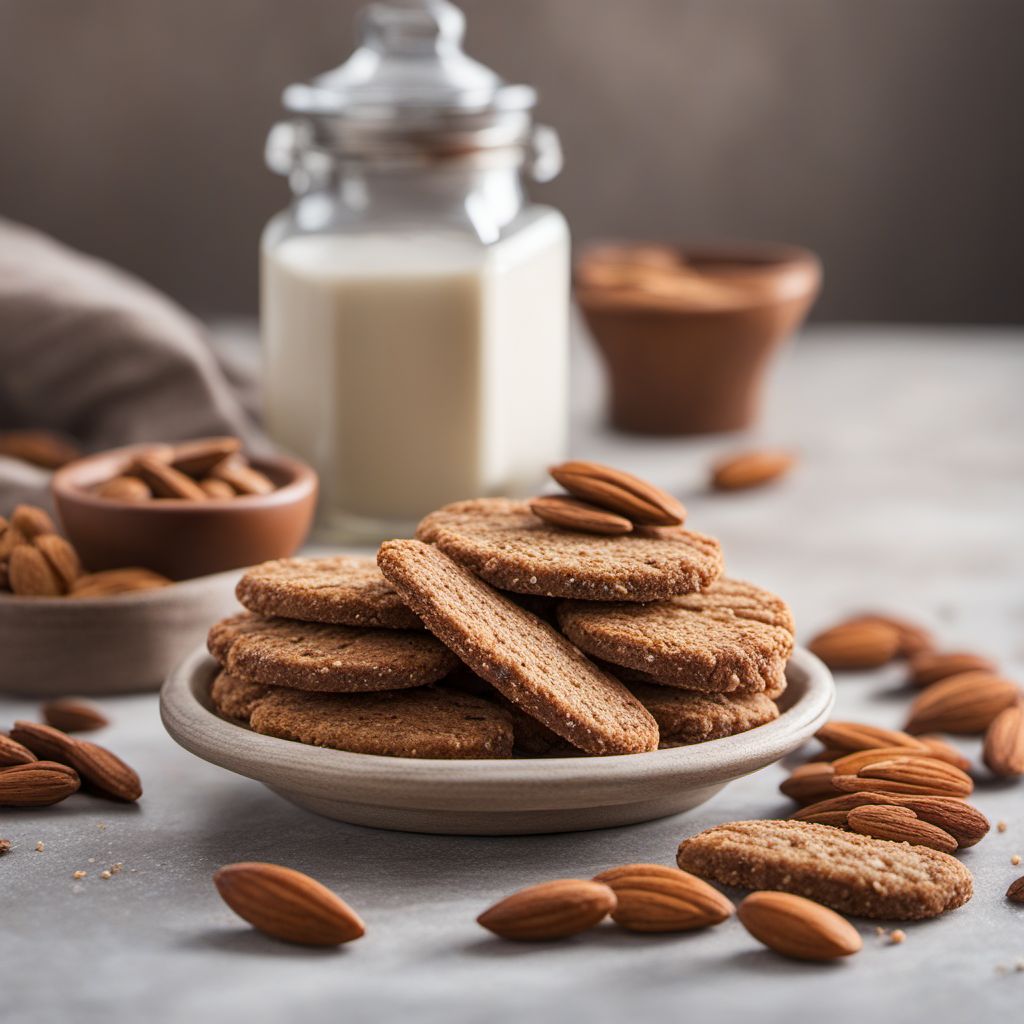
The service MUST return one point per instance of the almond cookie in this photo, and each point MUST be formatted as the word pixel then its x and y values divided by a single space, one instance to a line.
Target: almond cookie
pixel 343 589
pixel 685 716
pixel 405 723
pixel 503 542
pixel 522 657
pixel 732 636
pixel 850 873
pixel 333 659
pixel 774 689
pixel 235 698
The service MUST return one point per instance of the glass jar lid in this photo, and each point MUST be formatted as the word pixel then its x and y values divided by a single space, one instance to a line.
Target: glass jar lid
pixel 409 85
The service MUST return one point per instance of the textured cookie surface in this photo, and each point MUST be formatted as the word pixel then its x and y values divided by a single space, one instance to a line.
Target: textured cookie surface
pixel 341 589
pixel 732 636
pixel 235 698
pixel 504 543
pixel 686 716
pixel 774 689
pixel 334 659
pixel 525 659
pixel 850 873
pixel 404 723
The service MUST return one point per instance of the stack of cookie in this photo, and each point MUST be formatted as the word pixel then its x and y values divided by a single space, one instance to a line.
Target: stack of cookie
pixel 503 629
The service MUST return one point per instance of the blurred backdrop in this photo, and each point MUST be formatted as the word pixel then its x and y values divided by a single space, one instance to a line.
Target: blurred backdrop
pixel 885 134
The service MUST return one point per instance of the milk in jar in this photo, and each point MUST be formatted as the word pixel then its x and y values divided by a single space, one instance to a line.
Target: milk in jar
pixel 414 304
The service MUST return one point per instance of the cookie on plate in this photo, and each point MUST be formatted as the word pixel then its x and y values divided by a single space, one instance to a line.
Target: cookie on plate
pixel 686 716
pixel 403 723
pixel 523 658
pixel 850 873
pixel 332 659
pixel 235 698
pixel 732 636
pixel 774 689
pixel 342 589
pixel 504 543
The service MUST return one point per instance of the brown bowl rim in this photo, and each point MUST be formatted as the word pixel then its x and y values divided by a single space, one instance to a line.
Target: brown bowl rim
pixel 302 480
pixel 758 257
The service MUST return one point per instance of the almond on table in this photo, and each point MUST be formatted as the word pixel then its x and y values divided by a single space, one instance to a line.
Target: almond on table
pixel 551 910
pixel 287 905
pixel 751 469
pixel 1003 752
pixel 655 898
pixel 72 714
pixel 964 704
pixel 928 667
pixel 798 927
pixel 859 644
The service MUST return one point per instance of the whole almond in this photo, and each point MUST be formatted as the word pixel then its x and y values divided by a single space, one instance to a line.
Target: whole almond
pixel 964 704
pixel 655 898
pixel 13 752
pixel 962 821
pixel 850 764
pixel 38 447
pixel 165 481
pixel 552 910
pixel 62 557
pixel 938 747
pixel 36 784
pixel 32 521
pixel 72 714
pixel 1003 752
pixel 898 825
pixel 10 538
pixel 857 645
pixel 914 638
pixel 573 514
pixel 287 904
pixel 922 776
pixel 1016 891
pixel 835 819
pixel 798 927
pixel 31 575
pixel 930 667
pixel 197 458
pixel 852 736
pixel 218 490
pixel 620 492
pixel 112 582
pixel 102 772
pixel 809 782
pixel 751 469
pixel 242 478
pixel 125 488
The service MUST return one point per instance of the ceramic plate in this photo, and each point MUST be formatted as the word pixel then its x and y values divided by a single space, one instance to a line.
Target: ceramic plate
pixel 507 797
pixel 58 646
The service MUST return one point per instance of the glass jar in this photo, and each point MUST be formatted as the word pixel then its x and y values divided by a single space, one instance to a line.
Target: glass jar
pixel 414 303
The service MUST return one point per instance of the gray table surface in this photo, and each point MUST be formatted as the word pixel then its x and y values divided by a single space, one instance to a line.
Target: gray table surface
pixel 909 496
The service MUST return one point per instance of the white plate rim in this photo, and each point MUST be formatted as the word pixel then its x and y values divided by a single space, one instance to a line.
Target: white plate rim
pixel 285 764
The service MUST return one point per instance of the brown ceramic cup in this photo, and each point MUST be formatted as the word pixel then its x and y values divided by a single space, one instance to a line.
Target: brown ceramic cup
pixel 183 539
pixel 687 333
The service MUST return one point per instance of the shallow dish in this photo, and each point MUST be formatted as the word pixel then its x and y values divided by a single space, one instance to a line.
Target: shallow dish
pixel 55 646
pixel 183 539
pixel 507 797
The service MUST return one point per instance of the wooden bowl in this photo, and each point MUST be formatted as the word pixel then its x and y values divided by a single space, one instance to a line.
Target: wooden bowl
pixel 183 539
pixel 497 797
pixel 60 646
pixel 687 333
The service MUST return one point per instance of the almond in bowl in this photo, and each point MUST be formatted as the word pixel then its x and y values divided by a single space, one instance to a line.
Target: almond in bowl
pixel 185 510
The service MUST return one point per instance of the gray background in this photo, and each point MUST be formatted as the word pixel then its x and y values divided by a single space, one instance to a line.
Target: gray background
pixel 886 134
pixel 939 540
